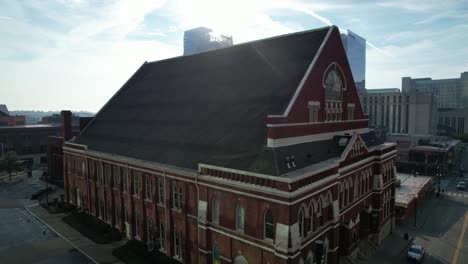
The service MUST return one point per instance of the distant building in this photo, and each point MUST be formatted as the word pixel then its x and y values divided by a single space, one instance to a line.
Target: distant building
pixel 28 141
pixel 55 143
pixel 451 98
pixel 9 120
pixel 399 112
pixel 355 47
pixel 452 121
pixel 203 39
pixel 450 93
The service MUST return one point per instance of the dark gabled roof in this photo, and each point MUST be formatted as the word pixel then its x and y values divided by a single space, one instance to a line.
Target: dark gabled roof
pixel 206 108
pixel 4 110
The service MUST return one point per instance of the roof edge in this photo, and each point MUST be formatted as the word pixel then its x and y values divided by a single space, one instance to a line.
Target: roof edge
pixel 245 43
pixel 307 73
pixel 110 99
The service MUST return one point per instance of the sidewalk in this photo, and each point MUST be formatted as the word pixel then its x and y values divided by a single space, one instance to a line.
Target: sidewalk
pixel 99 253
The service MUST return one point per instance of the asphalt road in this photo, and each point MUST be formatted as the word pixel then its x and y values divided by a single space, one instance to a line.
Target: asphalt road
pixel 441 228
pixel 24 239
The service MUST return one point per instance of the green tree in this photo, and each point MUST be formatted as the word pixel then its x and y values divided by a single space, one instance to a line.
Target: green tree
pixel 10 163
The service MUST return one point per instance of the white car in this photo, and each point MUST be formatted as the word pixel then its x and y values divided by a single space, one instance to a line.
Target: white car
pixel 415 253
pixel 461 186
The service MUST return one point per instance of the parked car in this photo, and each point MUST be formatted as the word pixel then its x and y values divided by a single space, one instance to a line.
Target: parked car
pixel 415 253
pixel 461 186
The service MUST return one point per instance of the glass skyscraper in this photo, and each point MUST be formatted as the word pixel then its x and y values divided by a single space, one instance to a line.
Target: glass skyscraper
pixel 355 47
pixel 202 39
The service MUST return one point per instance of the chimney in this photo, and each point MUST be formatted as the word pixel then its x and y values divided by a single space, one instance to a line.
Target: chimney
pixel 66 125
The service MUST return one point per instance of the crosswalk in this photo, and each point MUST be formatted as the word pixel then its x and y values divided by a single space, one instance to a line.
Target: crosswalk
pixel 454 194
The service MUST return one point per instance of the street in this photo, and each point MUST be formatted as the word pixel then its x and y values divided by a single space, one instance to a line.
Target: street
pixel 24 238
pixel 441 225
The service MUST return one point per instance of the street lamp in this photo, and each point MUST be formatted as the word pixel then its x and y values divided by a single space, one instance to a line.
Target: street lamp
pixel 415 208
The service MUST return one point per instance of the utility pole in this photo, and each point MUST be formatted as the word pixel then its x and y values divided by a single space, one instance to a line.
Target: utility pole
pixel 415 208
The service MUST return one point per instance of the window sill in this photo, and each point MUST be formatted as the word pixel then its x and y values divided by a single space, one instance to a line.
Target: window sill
pixel 269 240
pixel 161 205
pixel 240 230
pixel 148 200
pixel 176 210
pixel 178 258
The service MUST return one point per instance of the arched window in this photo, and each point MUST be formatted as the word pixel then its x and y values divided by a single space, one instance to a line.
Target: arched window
pixel 333 86
pixel 269 225
pixel 300 221
pixel 239 217
pixel 215 210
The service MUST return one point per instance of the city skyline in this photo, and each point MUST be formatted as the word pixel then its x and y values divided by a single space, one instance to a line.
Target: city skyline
pixel 76 55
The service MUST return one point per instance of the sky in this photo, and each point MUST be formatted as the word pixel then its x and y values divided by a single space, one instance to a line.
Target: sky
pixel 75 54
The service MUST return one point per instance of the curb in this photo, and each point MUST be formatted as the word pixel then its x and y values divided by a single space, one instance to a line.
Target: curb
pixel 56 232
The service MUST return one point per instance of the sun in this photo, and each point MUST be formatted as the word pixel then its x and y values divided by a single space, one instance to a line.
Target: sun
pixel 221 16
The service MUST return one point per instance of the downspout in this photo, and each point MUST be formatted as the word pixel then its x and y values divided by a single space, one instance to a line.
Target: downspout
pixel 198 217
pixel 167 211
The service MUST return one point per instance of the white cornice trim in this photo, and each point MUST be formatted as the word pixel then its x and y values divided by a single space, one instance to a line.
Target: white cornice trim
pixel 313 123
pixel 242 172
pixel 130 161
pixel 281 142
pixel 367 160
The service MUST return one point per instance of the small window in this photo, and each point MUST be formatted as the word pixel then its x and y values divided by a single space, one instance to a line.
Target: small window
pixel 269 225
pixel 351 109
pixel 161 190
pixel 177 244
pixel 125 180
pixel 314 111
pixel 137 225
pixel 83 169
pixel 162 236
pixel 176 197
pixel 116 176
pixel 215 210
pixel 136 183
pixel 149 230
pixel 239 217
pixel 300 221
pixel 148 188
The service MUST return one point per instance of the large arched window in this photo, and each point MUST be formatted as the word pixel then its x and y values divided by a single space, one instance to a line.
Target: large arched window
pixel 239 217
pixel 333 86
pixel 215 210
pixel 269 225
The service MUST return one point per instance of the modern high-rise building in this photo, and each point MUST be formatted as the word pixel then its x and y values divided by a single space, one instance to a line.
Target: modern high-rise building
pixel 450 93
pixel 355 47
pixel 203 39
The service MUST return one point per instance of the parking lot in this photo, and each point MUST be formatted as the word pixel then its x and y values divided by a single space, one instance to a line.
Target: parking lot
pixel 24 238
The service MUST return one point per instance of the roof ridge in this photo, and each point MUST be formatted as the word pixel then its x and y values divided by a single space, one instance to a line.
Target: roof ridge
pixel 246 43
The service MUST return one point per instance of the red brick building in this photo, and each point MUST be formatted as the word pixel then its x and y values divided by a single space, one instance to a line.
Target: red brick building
pixel 256 153
pixel 8 120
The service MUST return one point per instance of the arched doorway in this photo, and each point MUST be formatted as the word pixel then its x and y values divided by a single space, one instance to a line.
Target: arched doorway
pixel 239 259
